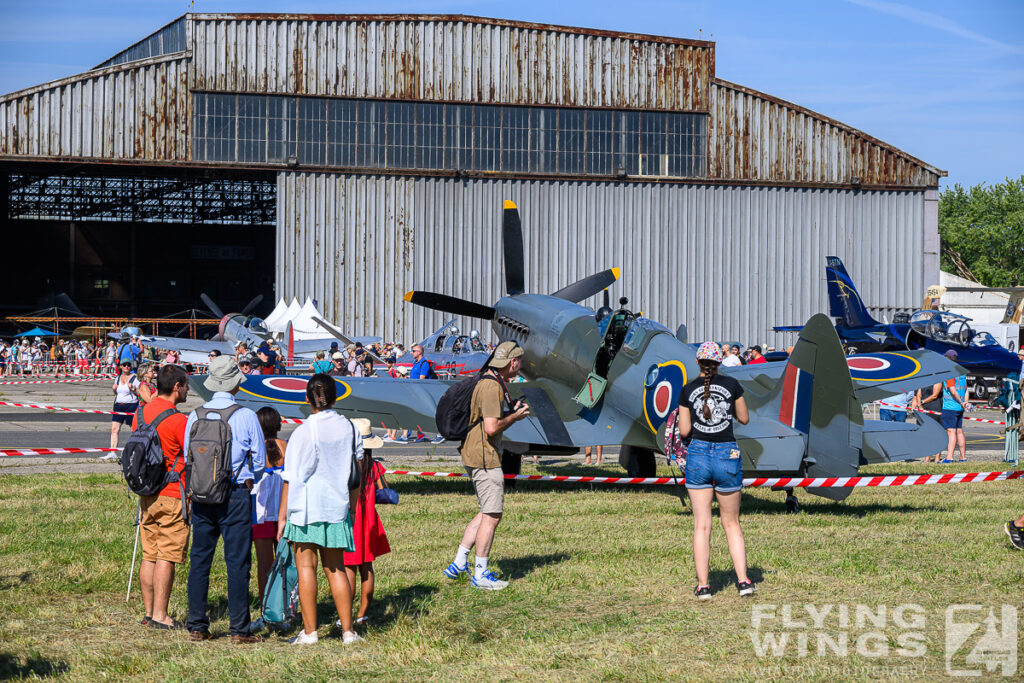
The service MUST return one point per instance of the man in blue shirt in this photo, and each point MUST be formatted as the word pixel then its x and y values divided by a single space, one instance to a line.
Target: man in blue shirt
pixel 231 519
pixel 888 413
pixel 421 368
pixel 954 403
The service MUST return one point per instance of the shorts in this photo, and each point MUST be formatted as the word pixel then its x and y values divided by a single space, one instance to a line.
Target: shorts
pixel 163 531
pixel 952 419
pixel 489 484
pixel 718 465
pixel 124 408
pixel 265 530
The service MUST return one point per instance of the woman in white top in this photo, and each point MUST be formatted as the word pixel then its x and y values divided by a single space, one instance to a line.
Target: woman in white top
pixel 126 401
pixel 316 497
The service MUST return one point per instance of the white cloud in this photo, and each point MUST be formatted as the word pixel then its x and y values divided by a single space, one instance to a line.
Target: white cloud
pixel 935 21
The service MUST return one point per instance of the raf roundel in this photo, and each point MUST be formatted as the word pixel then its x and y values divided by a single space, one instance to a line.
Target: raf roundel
pixel 661 391
pixel 663 399
pixel 882 367
pixel 286 384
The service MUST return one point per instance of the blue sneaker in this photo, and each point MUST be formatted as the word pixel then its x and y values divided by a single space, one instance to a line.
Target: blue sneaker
pixel 946 461
pixel 401 439
pixel 437 439
pixel 488 582
pixel 453 570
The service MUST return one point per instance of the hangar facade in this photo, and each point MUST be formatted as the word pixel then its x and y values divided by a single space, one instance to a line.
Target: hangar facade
pixel 353 158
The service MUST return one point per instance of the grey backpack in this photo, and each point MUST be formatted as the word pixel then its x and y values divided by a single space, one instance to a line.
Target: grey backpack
pixel 208 463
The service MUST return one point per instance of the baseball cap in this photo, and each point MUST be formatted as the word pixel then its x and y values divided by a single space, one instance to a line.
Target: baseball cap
pixel 504 354
pixel 951 354
pixel 338 355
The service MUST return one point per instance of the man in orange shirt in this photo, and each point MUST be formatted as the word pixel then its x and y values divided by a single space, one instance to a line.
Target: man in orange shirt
pixel 163 528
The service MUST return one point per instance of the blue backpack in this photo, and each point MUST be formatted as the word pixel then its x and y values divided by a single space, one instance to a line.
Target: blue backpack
pixel 281 596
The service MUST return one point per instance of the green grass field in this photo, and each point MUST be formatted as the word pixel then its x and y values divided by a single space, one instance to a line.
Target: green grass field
pixel 601 588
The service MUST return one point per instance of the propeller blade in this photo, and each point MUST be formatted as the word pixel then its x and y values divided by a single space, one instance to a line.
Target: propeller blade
pixel 214 308
pixel 450 304
pixel 252 304
pixel 344 339
pixel 588 286
pixel 512 241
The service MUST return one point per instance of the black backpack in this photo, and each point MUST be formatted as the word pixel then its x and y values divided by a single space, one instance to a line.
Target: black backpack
pixel 452 416
pixel 431 374
pixel 142 461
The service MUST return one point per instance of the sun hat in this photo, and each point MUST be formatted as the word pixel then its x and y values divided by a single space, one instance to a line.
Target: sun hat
pixel 951 354
pixel 224 375
pixel 710 351
pixel 369 440
pixel 504 354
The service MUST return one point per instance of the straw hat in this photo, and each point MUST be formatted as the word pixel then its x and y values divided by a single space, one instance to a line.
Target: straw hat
pixel 369 440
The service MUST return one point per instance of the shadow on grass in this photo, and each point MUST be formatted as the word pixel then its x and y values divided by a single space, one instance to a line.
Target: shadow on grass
pixel 409 600
pixel 724 579
pixel 14 580
pixel 817 506
pixel 518 567
pixel 12 666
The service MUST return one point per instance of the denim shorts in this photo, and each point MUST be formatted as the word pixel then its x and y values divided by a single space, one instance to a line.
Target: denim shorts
pixel 952 419
pixel 710 464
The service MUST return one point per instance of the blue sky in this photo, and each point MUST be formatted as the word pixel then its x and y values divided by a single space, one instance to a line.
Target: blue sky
pixel 942 80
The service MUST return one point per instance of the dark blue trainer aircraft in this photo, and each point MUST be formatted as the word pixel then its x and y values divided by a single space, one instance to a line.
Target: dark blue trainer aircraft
pixel 937 331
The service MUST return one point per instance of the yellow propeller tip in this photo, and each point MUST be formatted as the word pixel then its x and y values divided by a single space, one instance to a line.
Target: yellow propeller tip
pixel 509 204
pixel 616 272
pixel 408 296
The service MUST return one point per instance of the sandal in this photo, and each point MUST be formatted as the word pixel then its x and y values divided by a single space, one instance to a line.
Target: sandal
pixel 145 620
pixel 173 626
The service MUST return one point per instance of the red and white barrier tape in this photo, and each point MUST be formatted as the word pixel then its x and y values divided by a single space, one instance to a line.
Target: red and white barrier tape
pixel 54 451
pixel 932 412
pixel 68 410
pixel 56 381
pixel 761 482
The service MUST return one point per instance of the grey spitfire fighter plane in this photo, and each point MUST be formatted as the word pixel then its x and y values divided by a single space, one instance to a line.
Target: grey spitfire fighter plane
pixel 614 378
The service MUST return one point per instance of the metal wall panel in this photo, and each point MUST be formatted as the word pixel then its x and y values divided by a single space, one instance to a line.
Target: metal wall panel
pixel 753 136
pixel 438 58
pixel 139 111
pixel 729 261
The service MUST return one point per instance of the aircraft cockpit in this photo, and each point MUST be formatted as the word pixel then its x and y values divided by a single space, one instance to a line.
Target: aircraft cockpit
pixel 640 331
pixel 256 325
pixel 950 328
pixel 614 327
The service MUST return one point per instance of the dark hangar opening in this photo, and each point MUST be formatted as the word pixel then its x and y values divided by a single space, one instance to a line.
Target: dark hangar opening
pixel 135 242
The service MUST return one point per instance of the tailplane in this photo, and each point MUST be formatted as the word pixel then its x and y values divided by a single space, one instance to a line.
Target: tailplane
pixel 844 300
pixel 815 397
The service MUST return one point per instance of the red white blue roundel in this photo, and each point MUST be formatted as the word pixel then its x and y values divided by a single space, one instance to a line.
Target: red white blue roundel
pixel 882 367
pixel 279 388
pixel 661 396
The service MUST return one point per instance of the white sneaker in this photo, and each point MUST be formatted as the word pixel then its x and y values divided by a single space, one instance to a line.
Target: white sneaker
pixel 305 638
pixel 349 637
pixel 488 582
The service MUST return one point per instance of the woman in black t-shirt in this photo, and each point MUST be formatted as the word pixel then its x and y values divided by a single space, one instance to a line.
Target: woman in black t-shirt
pixel 708 405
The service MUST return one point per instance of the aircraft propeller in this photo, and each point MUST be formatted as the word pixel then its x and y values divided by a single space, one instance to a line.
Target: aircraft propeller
pixel 251 305
pixel 214 308
pixel 515 277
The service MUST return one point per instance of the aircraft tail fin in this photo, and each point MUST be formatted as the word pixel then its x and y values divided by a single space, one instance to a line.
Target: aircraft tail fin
pixel 843 298
pixel 815 396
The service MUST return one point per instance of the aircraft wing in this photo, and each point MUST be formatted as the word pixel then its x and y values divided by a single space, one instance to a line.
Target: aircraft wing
pixel 875 375
pixel 311 346
pixel 201 347
pixel 895 441
pixel 408 403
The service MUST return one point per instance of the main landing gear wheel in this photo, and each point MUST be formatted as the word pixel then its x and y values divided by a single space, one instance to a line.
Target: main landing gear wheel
pixel 638 462
pixel 792 504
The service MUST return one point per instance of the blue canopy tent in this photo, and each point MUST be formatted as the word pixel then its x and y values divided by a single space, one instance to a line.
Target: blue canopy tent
pixel 37 332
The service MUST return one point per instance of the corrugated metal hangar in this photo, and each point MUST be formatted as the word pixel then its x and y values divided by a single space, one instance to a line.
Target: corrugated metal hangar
pixel 364 156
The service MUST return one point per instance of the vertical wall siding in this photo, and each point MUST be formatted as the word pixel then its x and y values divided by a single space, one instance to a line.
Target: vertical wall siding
pixel 138 112
pixel 730 262
pixel 448 60
pixel 753 137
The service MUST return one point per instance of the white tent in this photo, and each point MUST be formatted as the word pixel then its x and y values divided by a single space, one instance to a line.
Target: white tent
pixel 271 320
pixel 303 325
pixel 281 324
